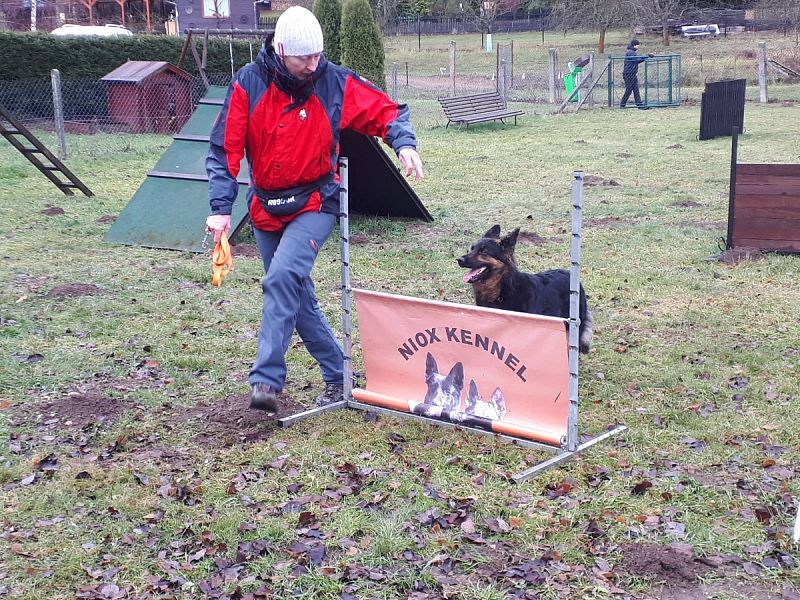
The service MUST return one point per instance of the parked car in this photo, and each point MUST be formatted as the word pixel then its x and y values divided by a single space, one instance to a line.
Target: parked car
pixel 108 30
pixel 700 31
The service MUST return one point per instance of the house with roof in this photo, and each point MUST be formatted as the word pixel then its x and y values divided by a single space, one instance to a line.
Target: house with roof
pixel 229 14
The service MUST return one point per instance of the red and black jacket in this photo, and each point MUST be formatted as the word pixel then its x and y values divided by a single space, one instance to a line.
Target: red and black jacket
pixel 289 131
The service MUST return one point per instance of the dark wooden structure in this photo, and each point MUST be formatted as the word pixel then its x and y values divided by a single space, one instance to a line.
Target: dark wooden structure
pixel 722 108
pixel 149 96
pixel 477 108
pixel 764 205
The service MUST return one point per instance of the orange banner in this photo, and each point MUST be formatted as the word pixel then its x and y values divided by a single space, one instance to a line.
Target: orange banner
pixel 502 371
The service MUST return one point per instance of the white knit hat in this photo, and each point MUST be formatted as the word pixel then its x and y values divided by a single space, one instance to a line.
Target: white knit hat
pixel 297 33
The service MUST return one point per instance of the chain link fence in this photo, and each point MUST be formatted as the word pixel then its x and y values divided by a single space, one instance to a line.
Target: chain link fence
pixel 521 75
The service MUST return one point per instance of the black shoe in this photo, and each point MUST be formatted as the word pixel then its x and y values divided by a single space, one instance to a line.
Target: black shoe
pixel 334 392
pixel 642 107
pixel 264 398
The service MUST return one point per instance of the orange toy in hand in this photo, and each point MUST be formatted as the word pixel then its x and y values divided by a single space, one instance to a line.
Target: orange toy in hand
pixel 221 260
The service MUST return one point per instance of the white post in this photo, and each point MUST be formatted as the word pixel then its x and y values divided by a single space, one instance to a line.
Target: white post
pixel 488 42
pixel 58 113
pixel 453 67
pixel 762 71
pixel 347 290
pixel 574 310
pixel 551 76
pixel 33 15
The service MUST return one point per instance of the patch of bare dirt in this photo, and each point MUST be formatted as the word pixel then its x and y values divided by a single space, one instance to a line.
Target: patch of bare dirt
pixel 107 219
pixel 601 222
pixel 230 421
pixel 677 574
pixel 359 239
pixel 676 147
pixel 72 411
pixel 624 155
pixel 73 416
pixel 245 250
pixel 707 225
pixel 733 256
pixel 671 565
pixel 534 239
pixel 53 211
pixel 686 204
pixel 597 180
pixel 74 290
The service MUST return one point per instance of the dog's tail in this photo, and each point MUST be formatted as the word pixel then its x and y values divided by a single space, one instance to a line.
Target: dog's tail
pixel 587 332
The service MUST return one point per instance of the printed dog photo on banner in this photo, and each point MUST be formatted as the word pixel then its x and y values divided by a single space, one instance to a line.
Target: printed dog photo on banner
pixel 473 366
pixel 443 399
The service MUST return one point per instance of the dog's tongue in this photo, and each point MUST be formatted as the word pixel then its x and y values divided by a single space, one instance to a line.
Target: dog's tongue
pixel 471 274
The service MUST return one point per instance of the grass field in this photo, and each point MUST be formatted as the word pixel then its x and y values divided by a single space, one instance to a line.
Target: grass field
pixel 131 468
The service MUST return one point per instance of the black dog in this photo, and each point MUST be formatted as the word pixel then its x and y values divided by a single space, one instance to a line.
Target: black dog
pixel 498 283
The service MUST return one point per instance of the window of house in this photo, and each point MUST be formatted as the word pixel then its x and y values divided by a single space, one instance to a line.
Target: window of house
pixel 216 8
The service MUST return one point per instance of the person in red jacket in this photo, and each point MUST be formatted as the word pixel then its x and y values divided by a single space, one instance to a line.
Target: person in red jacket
pixel 284 112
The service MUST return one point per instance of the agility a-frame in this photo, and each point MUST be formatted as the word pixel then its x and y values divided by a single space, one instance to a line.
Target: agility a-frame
pixel 519 388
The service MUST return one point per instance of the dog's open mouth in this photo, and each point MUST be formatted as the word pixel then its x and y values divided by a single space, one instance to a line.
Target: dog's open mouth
pixel 473 274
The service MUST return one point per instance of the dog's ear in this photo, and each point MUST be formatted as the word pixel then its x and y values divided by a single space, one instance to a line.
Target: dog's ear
pixel 430 366
pixel 472 395
pixel 456 375
pixel 509 242
pixel 493 233
pixel 499 400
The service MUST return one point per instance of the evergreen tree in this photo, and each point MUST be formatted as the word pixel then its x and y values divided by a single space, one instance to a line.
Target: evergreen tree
pixel 362 44
pixel 329 15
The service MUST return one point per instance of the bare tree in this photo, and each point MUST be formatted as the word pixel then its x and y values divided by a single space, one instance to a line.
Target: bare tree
pixel 661 12
pixel 595 15
pixel 486 12
pixel 785 13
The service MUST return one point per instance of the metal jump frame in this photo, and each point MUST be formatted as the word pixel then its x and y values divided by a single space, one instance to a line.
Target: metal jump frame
pixel 571 445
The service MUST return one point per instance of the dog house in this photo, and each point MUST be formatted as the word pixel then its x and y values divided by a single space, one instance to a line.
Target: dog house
pixel 149 96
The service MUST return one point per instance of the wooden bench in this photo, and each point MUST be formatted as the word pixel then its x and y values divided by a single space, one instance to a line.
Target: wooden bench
pixel 477 108
pixel 764 206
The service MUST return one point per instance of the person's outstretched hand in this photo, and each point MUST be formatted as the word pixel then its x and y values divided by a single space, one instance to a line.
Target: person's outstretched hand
pixel 651 55
pixel 411 162
pixel 216 224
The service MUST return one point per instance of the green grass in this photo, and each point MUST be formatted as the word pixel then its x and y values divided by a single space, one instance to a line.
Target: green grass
pixel 688 350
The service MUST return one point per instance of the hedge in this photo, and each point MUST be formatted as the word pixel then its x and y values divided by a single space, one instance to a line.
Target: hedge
pixel 33 55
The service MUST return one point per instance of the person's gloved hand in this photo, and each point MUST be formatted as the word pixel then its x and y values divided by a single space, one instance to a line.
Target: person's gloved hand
pixel 217 224
pixel 411 161
pixel 651 55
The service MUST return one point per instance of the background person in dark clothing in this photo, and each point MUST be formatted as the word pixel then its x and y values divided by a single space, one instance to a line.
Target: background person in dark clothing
pixel 630 74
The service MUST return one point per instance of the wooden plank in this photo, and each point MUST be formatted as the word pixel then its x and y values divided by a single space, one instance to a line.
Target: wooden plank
pixel 791 213
pixel 768 179
pixel 776 189
pixel 486 117
pixel 768 169
pixel 767 229
pixel 767 201
pixel 769 245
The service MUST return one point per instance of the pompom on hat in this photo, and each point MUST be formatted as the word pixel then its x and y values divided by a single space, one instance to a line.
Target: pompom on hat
pixel 297 33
